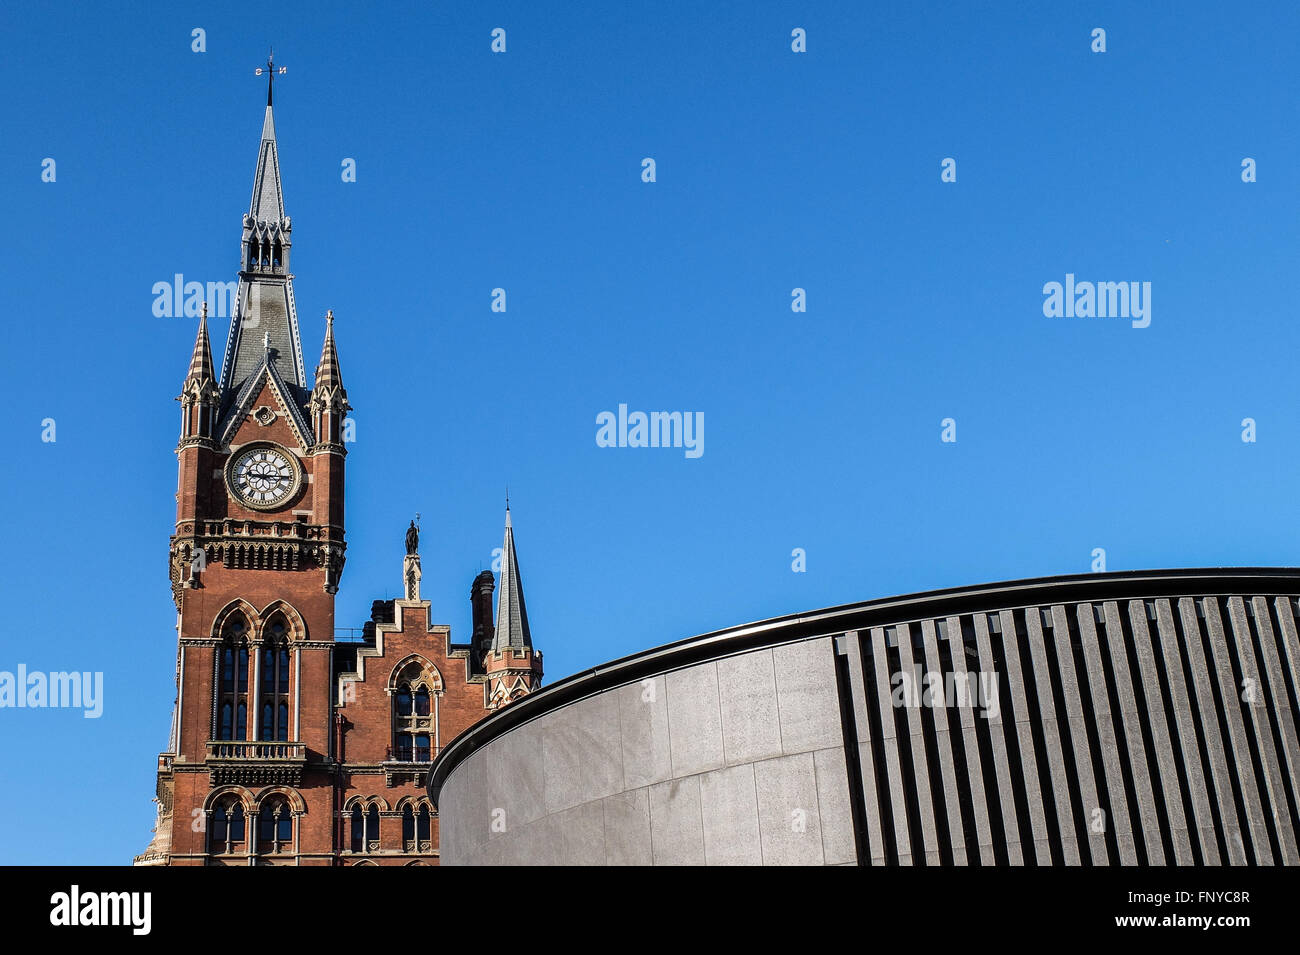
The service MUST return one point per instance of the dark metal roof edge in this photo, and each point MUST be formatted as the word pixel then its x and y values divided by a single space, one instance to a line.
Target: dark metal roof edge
pixel 1035 591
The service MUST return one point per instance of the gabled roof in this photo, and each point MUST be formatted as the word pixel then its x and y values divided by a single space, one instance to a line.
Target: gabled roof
pixel 242 406
pixel 512 616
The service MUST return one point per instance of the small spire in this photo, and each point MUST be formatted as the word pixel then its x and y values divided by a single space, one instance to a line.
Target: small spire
pixel 512 615
pixel 201 360
pixel 328 375
pixel 329 400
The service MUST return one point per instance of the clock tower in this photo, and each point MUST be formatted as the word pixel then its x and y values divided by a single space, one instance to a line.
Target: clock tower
pixel 293 742
pixel 256 556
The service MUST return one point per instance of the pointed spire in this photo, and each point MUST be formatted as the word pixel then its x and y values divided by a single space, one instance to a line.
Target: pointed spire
pixel 329 399
pixel 264 302
pixel 268 202
pixel 201 361
pixel 199 394
pixel 328 375
pixel 512 615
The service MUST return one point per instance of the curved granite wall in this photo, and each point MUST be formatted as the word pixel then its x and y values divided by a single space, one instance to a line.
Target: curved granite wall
pixel 1134 718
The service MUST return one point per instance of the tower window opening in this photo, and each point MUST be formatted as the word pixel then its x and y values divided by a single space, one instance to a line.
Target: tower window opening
pixel 273 691
pixel 232 695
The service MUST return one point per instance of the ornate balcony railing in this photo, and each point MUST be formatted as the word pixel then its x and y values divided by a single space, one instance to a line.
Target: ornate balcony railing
pixel 251 762
pixel 241 749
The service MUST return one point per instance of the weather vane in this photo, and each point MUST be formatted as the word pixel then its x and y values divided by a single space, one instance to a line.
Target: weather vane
pixel 270 70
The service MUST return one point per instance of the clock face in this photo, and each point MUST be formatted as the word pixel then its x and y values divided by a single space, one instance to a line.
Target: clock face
pixel 263 476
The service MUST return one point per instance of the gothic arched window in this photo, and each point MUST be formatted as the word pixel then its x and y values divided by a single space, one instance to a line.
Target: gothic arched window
pixel 226 834
pixel 415 829
pixel 273 682
pixel 412 724
pixel 232 696
pixel 274 826
pixel 365 829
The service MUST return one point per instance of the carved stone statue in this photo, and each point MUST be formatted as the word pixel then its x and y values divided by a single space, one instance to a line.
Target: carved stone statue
pixel 412 538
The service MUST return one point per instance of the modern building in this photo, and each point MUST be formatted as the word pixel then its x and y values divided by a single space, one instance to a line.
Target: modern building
pixel 1105 719
pixel 291 742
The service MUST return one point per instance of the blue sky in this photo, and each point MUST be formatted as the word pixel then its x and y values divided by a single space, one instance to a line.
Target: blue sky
pixel 522 170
